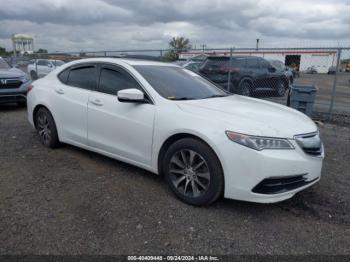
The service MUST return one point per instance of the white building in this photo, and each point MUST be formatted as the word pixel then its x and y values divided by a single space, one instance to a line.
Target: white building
pixel 23 44
pixel 320 59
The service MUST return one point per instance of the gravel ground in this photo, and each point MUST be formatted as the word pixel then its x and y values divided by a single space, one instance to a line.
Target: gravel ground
pixel 70 201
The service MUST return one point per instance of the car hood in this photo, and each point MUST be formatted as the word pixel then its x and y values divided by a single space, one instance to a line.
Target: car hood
pixel 11 73
pixel 251 116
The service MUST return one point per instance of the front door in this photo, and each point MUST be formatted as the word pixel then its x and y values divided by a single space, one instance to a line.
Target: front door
pixel 120 128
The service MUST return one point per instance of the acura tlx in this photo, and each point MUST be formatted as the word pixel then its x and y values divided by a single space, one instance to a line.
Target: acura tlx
pixel 158 116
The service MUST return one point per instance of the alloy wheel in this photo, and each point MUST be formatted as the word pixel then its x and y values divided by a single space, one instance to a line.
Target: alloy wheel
pixel 43 127
pixel 189 173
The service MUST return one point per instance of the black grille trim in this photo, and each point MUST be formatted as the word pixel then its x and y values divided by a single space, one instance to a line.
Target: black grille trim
pixel 280 185
pixel 10 83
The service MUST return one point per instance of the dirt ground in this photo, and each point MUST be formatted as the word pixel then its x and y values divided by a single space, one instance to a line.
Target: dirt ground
pixel 70 201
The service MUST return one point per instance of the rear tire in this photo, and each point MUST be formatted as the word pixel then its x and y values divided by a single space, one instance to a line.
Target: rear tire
pixel 46 127
pixel 193 172
pixel 245 88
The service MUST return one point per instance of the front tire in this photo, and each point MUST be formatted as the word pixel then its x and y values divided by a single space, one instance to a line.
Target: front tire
pixel 46 127
pixel 193 172
pixel 282 88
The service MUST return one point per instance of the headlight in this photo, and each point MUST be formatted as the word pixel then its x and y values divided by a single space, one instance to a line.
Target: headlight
pixel 24 79
pixel 259 142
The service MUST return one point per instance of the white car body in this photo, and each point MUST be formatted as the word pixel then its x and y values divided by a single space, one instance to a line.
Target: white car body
pixel 135 133
pixel 43 66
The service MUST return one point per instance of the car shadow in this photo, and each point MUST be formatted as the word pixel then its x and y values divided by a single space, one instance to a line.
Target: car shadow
pixel 11 107
pixel 308 203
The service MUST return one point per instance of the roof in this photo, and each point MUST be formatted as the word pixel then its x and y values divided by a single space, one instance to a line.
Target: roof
pixel 227 57
pixel 22 36
pixel 131 62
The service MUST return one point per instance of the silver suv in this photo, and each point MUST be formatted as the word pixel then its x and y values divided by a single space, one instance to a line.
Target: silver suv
pixel 14 84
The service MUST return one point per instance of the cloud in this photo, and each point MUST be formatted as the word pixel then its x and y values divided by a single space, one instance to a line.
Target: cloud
pixel 59 25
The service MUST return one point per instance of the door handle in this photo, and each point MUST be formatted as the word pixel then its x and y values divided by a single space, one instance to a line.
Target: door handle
pixel 59 91
pixel 96 102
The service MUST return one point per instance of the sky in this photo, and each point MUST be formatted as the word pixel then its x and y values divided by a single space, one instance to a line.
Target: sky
pixel 75 25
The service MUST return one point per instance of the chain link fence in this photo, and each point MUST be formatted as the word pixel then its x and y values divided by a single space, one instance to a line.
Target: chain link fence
pixel 265 73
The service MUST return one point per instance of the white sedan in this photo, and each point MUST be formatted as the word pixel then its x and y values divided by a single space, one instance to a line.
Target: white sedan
pixel 171 121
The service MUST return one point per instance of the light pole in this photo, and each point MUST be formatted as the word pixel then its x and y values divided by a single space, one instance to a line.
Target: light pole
pixel 257 43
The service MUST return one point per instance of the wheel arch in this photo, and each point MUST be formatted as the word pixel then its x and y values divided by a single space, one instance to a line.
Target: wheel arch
pixel 36 109
pixel 248 79
pixel 176 137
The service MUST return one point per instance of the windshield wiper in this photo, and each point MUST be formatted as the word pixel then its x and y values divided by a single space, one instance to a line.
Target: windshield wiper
pixel 181 98
pixel 213 96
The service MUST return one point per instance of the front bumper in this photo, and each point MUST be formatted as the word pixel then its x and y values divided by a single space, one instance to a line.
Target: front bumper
pixel 13 95
pixel 246 169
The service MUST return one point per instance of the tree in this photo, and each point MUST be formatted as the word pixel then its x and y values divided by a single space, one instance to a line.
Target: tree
pixel 3 52
pixel 42 51
pixel 176 45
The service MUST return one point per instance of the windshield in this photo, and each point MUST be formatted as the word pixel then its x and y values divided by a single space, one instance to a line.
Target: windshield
pixel 277 64
pixel 176 83
pixel 4 64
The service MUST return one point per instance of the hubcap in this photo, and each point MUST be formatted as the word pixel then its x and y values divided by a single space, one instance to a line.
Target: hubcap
pixel 44 128
pixel 189 173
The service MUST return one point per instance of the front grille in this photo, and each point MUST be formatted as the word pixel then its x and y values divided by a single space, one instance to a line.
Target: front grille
pixel 10 83
pixel 310 143
pixel 281 185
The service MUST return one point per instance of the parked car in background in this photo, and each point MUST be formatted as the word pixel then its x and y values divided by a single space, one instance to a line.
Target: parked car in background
pixel 171 121
pixel 311 70
pixel 180 61
pixel 281 67
pixel 332 70
pixel 14 84
pixel 41 67
pixel 192 65
pixel 249 74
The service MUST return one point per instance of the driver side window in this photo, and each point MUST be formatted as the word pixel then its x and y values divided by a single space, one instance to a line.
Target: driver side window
pixel 112 80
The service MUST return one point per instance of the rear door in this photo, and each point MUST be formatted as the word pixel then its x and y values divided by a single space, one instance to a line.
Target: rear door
pixel 264 79
pixel 120 128
pixel 71 98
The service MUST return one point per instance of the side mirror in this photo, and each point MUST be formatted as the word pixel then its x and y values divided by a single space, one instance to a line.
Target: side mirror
pixel 49 65
pixel 131 95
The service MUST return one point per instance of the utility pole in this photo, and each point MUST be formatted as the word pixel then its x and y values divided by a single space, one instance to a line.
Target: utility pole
pixel 203 46
pixel 257 43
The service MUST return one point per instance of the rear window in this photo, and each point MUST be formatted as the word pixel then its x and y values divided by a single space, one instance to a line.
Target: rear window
pixel 83 77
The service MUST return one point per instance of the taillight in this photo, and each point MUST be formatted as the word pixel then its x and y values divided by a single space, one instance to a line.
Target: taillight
pixel 30 87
